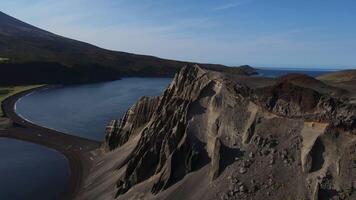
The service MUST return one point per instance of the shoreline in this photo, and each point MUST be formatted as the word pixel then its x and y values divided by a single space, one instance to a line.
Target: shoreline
pixel 75 149
pixel 28 120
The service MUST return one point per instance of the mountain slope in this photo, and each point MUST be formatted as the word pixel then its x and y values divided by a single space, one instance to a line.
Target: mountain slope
pixel 345 79
pixel 23 45
pixel 211 136
pixel 339 76
pixel 22 42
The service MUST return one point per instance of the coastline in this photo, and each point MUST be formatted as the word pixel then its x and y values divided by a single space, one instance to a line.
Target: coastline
pixel 75 149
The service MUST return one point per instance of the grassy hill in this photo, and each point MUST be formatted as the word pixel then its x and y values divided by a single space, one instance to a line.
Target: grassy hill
pixel 9 91
pixel 54 58
pixel 339 76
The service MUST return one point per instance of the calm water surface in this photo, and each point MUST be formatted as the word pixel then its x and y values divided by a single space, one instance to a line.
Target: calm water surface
pixel 31 172
pixel 84 110
pixel 274 72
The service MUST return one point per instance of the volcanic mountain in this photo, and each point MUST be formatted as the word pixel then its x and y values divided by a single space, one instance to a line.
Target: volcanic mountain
pixel 31 55
pixel 213 135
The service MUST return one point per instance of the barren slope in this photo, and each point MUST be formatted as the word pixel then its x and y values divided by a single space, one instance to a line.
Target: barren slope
pixel 214 136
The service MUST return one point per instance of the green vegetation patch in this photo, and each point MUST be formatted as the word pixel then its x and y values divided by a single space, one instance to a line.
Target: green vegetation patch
pixel 4 123
pixel 4 59
pixel 6 91
pixel 341 76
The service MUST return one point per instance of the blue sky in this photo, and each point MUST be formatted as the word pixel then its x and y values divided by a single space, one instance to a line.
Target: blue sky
pixel 273 33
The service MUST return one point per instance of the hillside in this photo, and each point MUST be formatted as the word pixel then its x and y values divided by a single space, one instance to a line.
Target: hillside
pixel 44 56
pixel 339 76
pixel 345 79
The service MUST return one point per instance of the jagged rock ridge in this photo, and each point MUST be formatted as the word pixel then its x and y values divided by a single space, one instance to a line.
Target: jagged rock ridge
pixel 267 142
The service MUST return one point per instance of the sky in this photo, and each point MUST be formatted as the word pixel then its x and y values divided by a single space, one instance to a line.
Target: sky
pixel 263 33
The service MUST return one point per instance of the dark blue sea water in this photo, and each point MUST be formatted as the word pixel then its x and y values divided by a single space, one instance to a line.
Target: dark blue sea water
pixel 276 72
pixel 84 110
pixel 31 172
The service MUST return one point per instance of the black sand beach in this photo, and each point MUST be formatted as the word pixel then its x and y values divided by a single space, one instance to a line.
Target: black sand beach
pixel 76 149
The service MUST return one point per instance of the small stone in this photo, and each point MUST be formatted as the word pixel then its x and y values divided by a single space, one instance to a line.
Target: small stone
pixel 231 187
pixel 246 163
pixel 235 180
pixel 242 188
pixel 265 152
pixel 237 158
pixel 251 155
pixel 284 153
pixel 242 170
pixel 271 162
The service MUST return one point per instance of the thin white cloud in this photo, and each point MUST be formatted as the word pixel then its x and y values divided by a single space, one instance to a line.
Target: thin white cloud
pixel 229 5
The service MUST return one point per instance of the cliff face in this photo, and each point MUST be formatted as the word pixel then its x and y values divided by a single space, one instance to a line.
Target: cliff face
pixel 164 149
pixel 212 136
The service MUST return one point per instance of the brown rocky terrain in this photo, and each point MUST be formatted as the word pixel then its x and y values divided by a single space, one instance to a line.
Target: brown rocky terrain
pixel 212 135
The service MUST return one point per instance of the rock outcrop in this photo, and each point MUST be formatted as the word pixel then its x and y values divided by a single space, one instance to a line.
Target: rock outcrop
pixel 119 131
pixel 211 136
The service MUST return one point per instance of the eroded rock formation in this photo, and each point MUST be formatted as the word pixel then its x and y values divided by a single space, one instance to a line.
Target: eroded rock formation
pixel 211 135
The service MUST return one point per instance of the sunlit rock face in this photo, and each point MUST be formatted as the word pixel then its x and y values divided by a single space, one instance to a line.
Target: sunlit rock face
pixel 280 138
